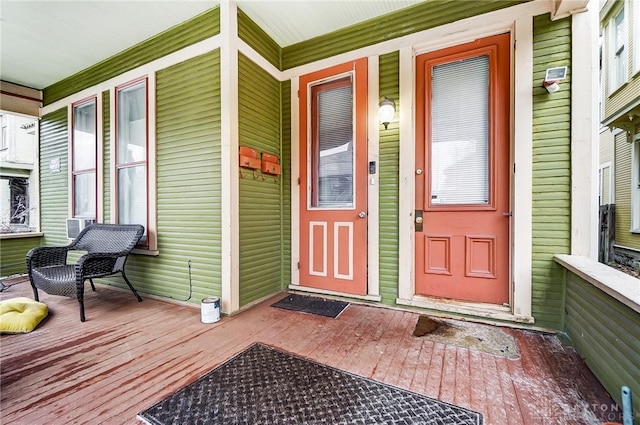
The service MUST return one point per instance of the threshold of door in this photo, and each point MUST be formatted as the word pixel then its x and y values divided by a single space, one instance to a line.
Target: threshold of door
pixel 300 288
pixel 483 310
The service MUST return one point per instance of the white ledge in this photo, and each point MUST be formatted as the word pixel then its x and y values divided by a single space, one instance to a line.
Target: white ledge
pixel 615 283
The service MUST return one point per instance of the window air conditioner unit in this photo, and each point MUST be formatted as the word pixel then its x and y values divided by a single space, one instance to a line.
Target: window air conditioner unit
pixel 75 226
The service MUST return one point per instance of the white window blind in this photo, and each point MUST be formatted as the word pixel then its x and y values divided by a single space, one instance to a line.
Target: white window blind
pixel 460 132
pixel 335 148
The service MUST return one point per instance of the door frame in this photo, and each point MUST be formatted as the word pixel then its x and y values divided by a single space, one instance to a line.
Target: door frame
pixel 520 281
pixel 373 282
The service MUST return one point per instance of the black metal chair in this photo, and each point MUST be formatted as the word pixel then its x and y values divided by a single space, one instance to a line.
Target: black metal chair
pixel 107 247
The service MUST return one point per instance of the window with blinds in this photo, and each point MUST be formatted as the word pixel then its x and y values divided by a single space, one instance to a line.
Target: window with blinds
pixel 460 132
pixel 332 170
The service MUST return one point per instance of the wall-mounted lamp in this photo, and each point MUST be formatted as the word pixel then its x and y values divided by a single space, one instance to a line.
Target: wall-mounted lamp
pixel 386 111
pixel 552 78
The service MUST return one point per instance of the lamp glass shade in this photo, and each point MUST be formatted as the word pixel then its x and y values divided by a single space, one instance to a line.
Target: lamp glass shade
pixel 386 111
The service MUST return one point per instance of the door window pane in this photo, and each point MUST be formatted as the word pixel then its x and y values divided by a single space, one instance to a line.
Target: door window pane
pixel 460 132
pixel 332 145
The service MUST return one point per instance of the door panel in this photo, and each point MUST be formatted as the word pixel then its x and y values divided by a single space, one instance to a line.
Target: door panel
pixel 462 186
pixel 333 178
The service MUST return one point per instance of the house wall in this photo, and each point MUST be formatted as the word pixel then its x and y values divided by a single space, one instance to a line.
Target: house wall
pixel 623 174
pixel 188 177
pixel 13 253
pixel 188 160
pixel 606 138
pixel 389 85
pixel 621 98
pixel 261 209
pixel 606 333
pixel 551 171
pixel 54 200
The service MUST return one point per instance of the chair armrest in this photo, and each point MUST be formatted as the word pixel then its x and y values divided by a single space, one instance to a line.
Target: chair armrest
pixel 97 264
pixel 47 256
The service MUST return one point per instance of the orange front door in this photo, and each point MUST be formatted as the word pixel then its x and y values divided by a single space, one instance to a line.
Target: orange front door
pixel 463 172
pixel 333 179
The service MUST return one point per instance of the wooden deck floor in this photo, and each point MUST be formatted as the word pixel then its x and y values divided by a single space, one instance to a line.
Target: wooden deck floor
pixel 129 355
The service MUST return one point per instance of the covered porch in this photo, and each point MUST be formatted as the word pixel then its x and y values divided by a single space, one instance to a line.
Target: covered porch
pixel 128 356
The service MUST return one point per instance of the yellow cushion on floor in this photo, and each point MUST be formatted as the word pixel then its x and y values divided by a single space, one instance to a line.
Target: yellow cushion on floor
pixel 20 315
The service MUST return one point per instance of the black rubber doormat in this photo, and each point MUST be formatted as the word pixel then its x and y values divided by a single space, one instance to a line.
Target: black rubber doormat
pixel 312 305
pixel 264 385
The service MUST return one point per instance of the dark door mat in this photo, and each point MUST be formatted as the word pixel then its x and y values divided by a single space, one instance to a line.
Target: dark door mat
pixel 312 305
pixel 263 385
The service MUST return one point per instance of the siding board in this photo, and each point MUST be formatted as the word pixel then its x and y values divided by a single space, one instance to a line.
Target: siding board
pixel 607 334
pixel 54 200
pixel 389 159
pixel 259 40
pixel 188 185
pixel 260 239
pixel 551 172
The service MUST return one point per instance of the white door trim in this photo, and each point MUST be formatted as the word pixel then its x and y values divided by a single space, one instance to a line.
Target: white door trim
pixel 522 155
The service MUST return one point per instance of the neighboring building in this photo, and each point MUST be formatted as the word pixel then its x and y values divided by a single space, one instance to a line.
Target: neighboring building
pixel 620 151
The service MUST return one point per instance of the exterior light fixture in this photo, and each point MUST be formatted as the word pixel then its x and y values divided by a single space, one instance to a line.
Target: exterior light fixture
pixel 386 111
pixel 552 78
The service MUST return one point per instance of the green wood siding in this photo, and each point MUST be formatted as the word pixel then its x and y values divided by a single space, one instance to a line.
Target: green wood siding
pixel 260 198
pixel 623 171
pixel 429 14
pixel 54 198
pixel 197 29
pixel 389 159
pixel 13 254
pixel 188 184
pixel 254 36
pixel 606 333
pixel 285 130
pixel 551 171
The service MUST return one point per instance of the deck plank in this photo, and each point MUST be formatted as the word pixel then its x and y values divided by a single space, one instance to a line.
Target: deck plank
pixel 129 355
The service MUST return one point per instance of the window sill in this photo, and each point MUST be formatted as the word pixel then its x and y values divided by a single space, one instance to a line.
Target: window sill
pixel 615 283
pixel 149 252
pixel 618 89
pixel 21 235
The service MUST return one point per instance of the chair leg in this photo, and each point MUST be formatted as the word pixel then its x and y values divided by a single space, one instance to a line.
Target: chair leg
pixel 131 287
pixel 35 292
pixel 81 301
pixel 92 285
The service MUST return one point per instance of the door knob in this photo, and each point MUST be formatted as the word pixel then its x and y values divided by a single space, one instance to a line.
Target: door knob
pixel 362 214
pixel 419 220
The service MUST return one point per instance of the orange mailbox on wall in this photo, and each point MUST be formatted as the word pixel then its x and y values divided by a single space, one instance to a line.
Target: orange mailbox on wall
pixel 249 158
pixel 270 164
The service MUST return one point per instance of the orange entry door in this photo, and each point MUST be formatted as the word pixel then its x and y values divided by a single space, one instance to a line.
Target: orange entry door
pixel 462 172
pixel 333 179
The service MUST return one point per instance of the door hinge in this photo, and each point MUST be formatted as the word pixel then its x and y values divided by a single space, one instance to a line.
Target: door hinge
pixel 298 180
pixel 298 265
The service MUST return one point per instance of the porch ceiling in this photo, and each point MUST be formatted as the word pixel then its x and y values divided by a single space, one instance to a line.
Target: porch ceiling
pixel 43 42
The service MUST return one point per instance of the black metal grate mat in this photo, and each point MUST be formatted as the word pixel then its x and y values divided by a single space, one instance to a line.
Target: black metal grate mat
pixel 312 305
pixel 263 385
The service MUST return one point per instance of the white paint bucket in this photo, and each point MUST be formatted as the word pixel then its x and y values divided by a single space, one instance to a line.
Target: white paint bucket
pixel 210 310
